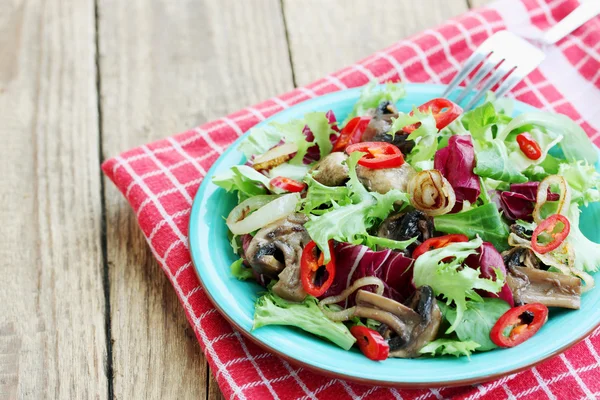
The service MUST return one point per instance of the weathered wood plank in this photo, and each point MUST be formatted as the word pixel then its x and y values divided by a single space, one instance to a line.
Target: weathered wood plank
pixel 479 3
pixel 165 67
pixel 328 35
pixel 214 393
pixel 52 337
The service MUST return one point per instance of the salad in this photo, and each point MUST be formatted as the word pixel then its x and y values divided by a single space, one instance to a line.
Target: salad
pixel 433 232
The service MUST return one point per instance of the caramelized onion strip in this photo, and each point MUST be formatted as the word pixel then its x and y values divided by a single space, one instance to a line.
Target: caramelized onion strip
pixel 542 196
pixel 348 313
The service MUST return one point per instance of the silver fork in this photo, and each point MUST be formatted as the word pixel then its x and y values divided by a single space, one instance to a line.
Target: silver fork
pixel 503 55
pixel 510 57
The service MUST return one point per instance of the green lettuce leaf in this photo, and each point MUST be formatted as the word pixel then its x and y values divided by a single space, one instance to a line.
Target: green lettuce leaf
pixel 373 94
pixel 452 347
pixel 239 271
pixel 350 223
pixel 357 190
pixel 479 122
pixel 244 179
pixel 319 125
pixel 318 195
pixel 235 242
pixel 587 253
pixel 493 162
pixel 374 241
pixel 425 136
pixel 483 221
pixel 584 181
pixel 546 141
pixel 477 321
pixel 578 145
pixel 296 172
pixel 538 172
pixel 271 309
pixel 267 136
pixel 452 281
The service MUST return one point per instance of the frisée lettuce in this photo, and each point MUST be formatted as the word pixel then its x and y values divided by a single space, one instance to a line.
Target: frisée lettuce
pixel 448 279
pixel 273 310
pixel 451 347
pixel 263 138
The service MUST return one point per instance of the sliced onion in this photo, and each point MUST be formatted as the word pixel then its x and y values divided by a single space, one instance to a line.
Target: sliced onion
pixel 431 193
pixel 274 157
pixel 542 196
pixel 566 268
pixel 268 209
pixel 348 313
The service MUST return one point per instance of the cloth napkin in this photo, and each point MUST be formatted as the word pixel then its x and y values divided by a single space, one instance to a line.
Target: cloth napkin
pixel 160 180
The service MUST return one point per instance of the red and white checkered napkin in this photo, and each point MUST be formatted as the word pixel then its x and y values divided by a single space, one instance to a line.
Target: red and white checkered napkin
pixel 161 179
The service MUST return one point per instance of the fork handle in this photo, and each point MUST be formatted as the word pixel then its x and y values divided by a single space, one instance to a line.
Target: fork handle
pixel 578 17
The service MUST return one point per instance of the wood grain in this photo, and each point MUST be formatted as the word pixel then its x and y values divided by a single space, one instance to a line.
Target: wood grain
pixel 52 338
pixel 325 36
pixel 479 3
pixel 165 67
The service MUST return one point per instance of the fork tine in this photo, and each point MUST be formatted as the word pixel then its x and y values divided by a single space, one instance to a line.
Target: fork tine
pixel 469 66
pixel 488 66
pixel 501 72
pixel 509 83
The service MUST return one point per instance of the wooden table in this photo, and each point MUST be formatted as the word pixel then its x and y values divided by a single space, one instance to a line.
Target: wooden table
pixel 85 310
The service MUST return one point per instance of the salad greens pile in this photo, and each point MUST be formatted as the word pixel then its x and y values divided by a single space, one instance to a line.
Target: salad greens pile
pixel 428 232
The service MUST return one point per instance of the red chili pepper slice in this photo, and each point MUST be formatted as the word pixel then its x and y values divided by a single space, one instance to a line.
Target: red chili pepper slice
pixel 316 278
pixel 379 154
pixel 444 111
pixel 287 184
pixel 519 324
pixel 371 343
pixel 529 146
pixel 351 133
pixel 438 243
pixel 549 226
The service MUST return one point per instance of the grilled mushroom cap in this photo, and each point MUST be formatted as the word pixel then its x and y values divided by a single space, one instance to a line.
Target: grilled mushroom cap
pixel 406 226
pixel 379 128
pixel 385 179
pixel 406 327
pixel 275 251
pixel 332 169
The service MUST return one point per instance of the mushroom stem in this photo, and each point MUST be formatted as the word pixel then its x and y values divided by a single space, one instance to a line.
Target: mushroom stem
pixel 393 322
pixel 368 299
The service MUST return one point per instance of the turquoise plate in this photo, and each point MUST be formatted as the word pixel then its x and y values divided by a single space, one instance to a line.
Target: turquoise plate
pixel 212 256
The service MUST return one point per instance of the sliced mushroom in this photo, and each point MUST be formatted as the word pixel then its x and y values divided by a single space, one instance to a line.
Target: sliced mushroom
pixel 553 289
pixel 332 170
pixel 520 256
pixel 275 252
pixel 386 179
pixel 530 284
pixel 407 327
pixel 407 226
pixel 379 128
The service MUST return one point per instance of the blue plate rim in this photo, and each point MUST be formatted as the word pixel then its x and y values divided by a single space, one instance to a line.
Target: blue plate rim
pixel 196 254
